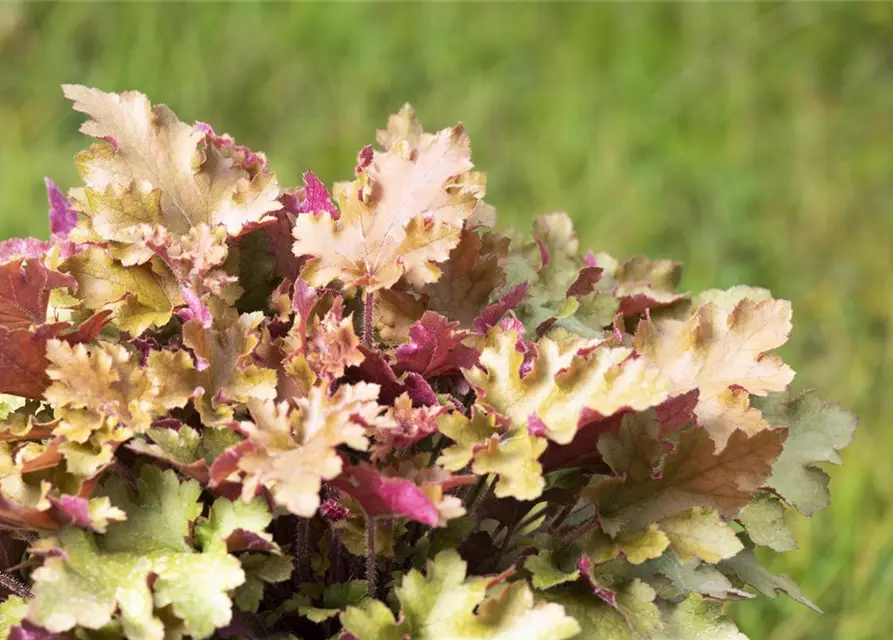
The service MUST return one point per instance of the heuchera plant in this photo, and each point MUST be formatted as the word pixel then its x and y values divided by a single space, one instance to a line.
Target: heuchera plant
pixel 235 410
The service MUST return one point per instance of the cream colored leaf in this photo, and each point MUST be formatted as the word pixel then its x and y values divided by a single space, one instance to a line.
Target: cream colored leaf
pixel 714 350
pixel 296 448
pixel 401 216
pixel 152 148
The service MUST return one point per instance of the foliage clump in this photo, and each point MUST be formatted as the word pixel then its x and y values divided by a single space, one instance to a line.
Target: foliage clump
pixel 235 410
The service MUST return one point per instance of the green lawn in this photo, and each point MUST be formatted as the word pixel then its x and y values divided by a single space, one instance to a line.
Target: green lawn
pixel 751 142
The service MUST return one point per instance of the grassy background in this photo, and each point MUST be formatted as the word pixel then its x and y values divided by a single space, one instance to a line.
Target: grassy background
pixel 750 142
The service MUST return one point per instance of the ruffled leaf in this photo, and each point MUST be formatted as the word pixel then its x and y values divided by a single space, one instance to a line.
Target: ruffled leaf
pixel 511 456
pixel 694 475
pixel 816 432
pixel 401 216
pixel 723 354
pixel 95 577
pixel 442 605
pixel 568 383
pixel 150 148
pixel 294 450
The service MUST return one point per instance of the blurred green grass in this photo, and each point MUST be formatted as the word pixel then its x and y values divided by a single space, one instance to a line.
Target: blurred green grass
pixel 750 142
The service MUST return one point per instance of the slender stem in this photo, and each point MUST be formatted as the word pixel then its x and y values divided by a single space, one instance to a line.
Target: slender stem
pixel 371 570
pixel 575 533
pixel 14 586
pixel 561 517
pixel 480 498
pixel 336 557
pixel 368 311
pixel 302 551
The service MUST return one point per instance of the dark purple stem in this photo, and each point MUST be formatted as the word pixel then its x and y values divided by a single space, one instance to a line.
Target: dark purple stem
pixel 302 551
pixel 368 310
pixel 371 570
pixel 14 586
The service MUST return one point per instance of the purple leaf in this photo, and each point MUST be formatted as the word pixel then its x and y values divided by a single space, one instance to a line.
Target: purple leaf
pixel 316 196
pixel 419 390
pixel 492 313
pixel 585 282
pixel 383 497
pixel 29 631
pixel 435 348
pixel 62 217
pixel 23 248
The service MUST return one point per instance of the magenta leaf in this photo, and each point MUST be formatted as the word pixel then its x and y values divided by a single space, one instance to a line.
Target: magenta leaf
pixel 62 217
pixel 384 497
pixel 492 313
pixel 435 348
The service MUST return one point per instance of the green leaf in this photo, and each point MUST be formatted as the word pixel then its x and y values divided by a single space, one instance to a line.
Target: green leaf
pixel 635 616
pixel 336 598
pixel 817 430
pixel 593 312
pixel 260 569
pixel 748 569
pixel 372 621
pixel 96 576
pixel 697 618
pixel 158 513
pixel 443 603
pixel 178 444
pixel 545 574
pixel 12 611
pixel 636 450
pixel 692 575
pixel 764 519
pixel 227 516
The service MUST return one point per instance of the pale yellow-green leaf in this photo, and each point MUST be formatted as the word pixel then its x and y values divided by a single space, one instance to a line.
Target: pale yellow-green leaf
pixel 140 296
pixel 545 574
pixel 764 520
pixel 511 456
pixel 698 618
pixel 701 533
pixel 562 382
pixel 636 546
